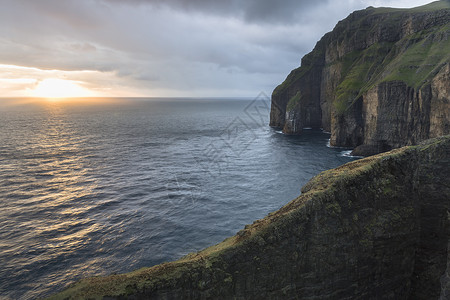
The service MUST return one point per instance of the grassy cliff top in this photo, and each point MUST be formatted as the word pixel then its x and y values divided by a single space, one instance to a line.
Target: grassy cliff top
pixel 410 45
pixel 430 7
pixel 375 46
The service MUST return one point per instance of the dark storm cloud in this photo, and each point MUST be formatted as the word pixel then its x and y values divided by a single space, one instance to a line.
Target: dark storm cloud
pixel 260 11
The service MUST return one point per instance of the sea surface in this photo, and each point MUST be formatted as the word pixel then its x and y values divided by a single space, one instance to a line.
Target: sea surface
pixel 111 186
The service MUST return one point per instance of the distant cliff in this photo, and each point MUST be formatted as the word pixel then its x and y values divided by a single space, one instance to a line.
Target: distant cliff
pixel 376 228
pixel 380 80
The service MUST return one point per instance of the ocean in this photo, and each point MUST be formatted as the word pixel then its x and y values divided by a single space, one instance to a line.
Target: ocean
pixel 89 189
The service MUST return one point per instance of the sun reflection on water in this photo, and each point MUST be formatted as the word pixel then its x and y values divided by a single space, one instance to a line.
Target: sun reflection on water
pixel 49 178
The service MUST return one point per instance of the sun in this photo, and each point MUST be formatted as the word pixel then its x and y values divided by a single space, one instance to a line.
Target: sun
pixel 60 88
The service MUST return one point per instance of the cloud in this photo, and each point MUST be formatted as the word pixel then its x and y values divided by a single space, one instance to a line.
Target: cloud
pixel 259 11
pixel 171 47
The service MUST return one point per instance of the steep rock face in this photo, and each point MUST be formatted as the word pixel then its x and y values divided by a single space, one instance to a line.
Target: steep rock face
pixel 298 94
pixel 393 114
pixel 378 81
pixel 377 228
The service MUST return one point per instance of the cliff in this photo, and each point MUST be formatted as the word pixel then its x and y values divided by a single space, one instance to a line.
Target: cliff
pixel 380 80
pixel 376 228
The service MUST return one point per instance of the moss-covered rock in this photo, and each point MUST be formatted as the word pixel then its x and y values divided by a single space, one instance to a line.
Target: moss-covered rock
pixel 380 80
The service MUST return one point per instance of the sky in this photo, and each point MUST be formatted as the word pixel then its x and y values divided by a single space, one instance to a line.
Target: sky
pixel 161 48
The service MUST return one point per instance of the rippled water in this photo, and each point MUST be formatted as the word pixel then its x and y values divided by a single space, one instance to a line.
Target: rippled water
pixel 96 189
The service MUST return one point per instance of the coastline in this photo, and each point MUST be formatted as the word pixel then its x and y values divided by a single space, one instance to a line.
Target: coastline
pixel 355 230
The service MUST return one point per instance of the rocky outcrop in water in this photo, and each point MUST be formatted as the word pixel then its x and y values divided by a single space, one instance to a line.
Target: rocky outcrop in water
pixel 376 228
pixel 380 80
